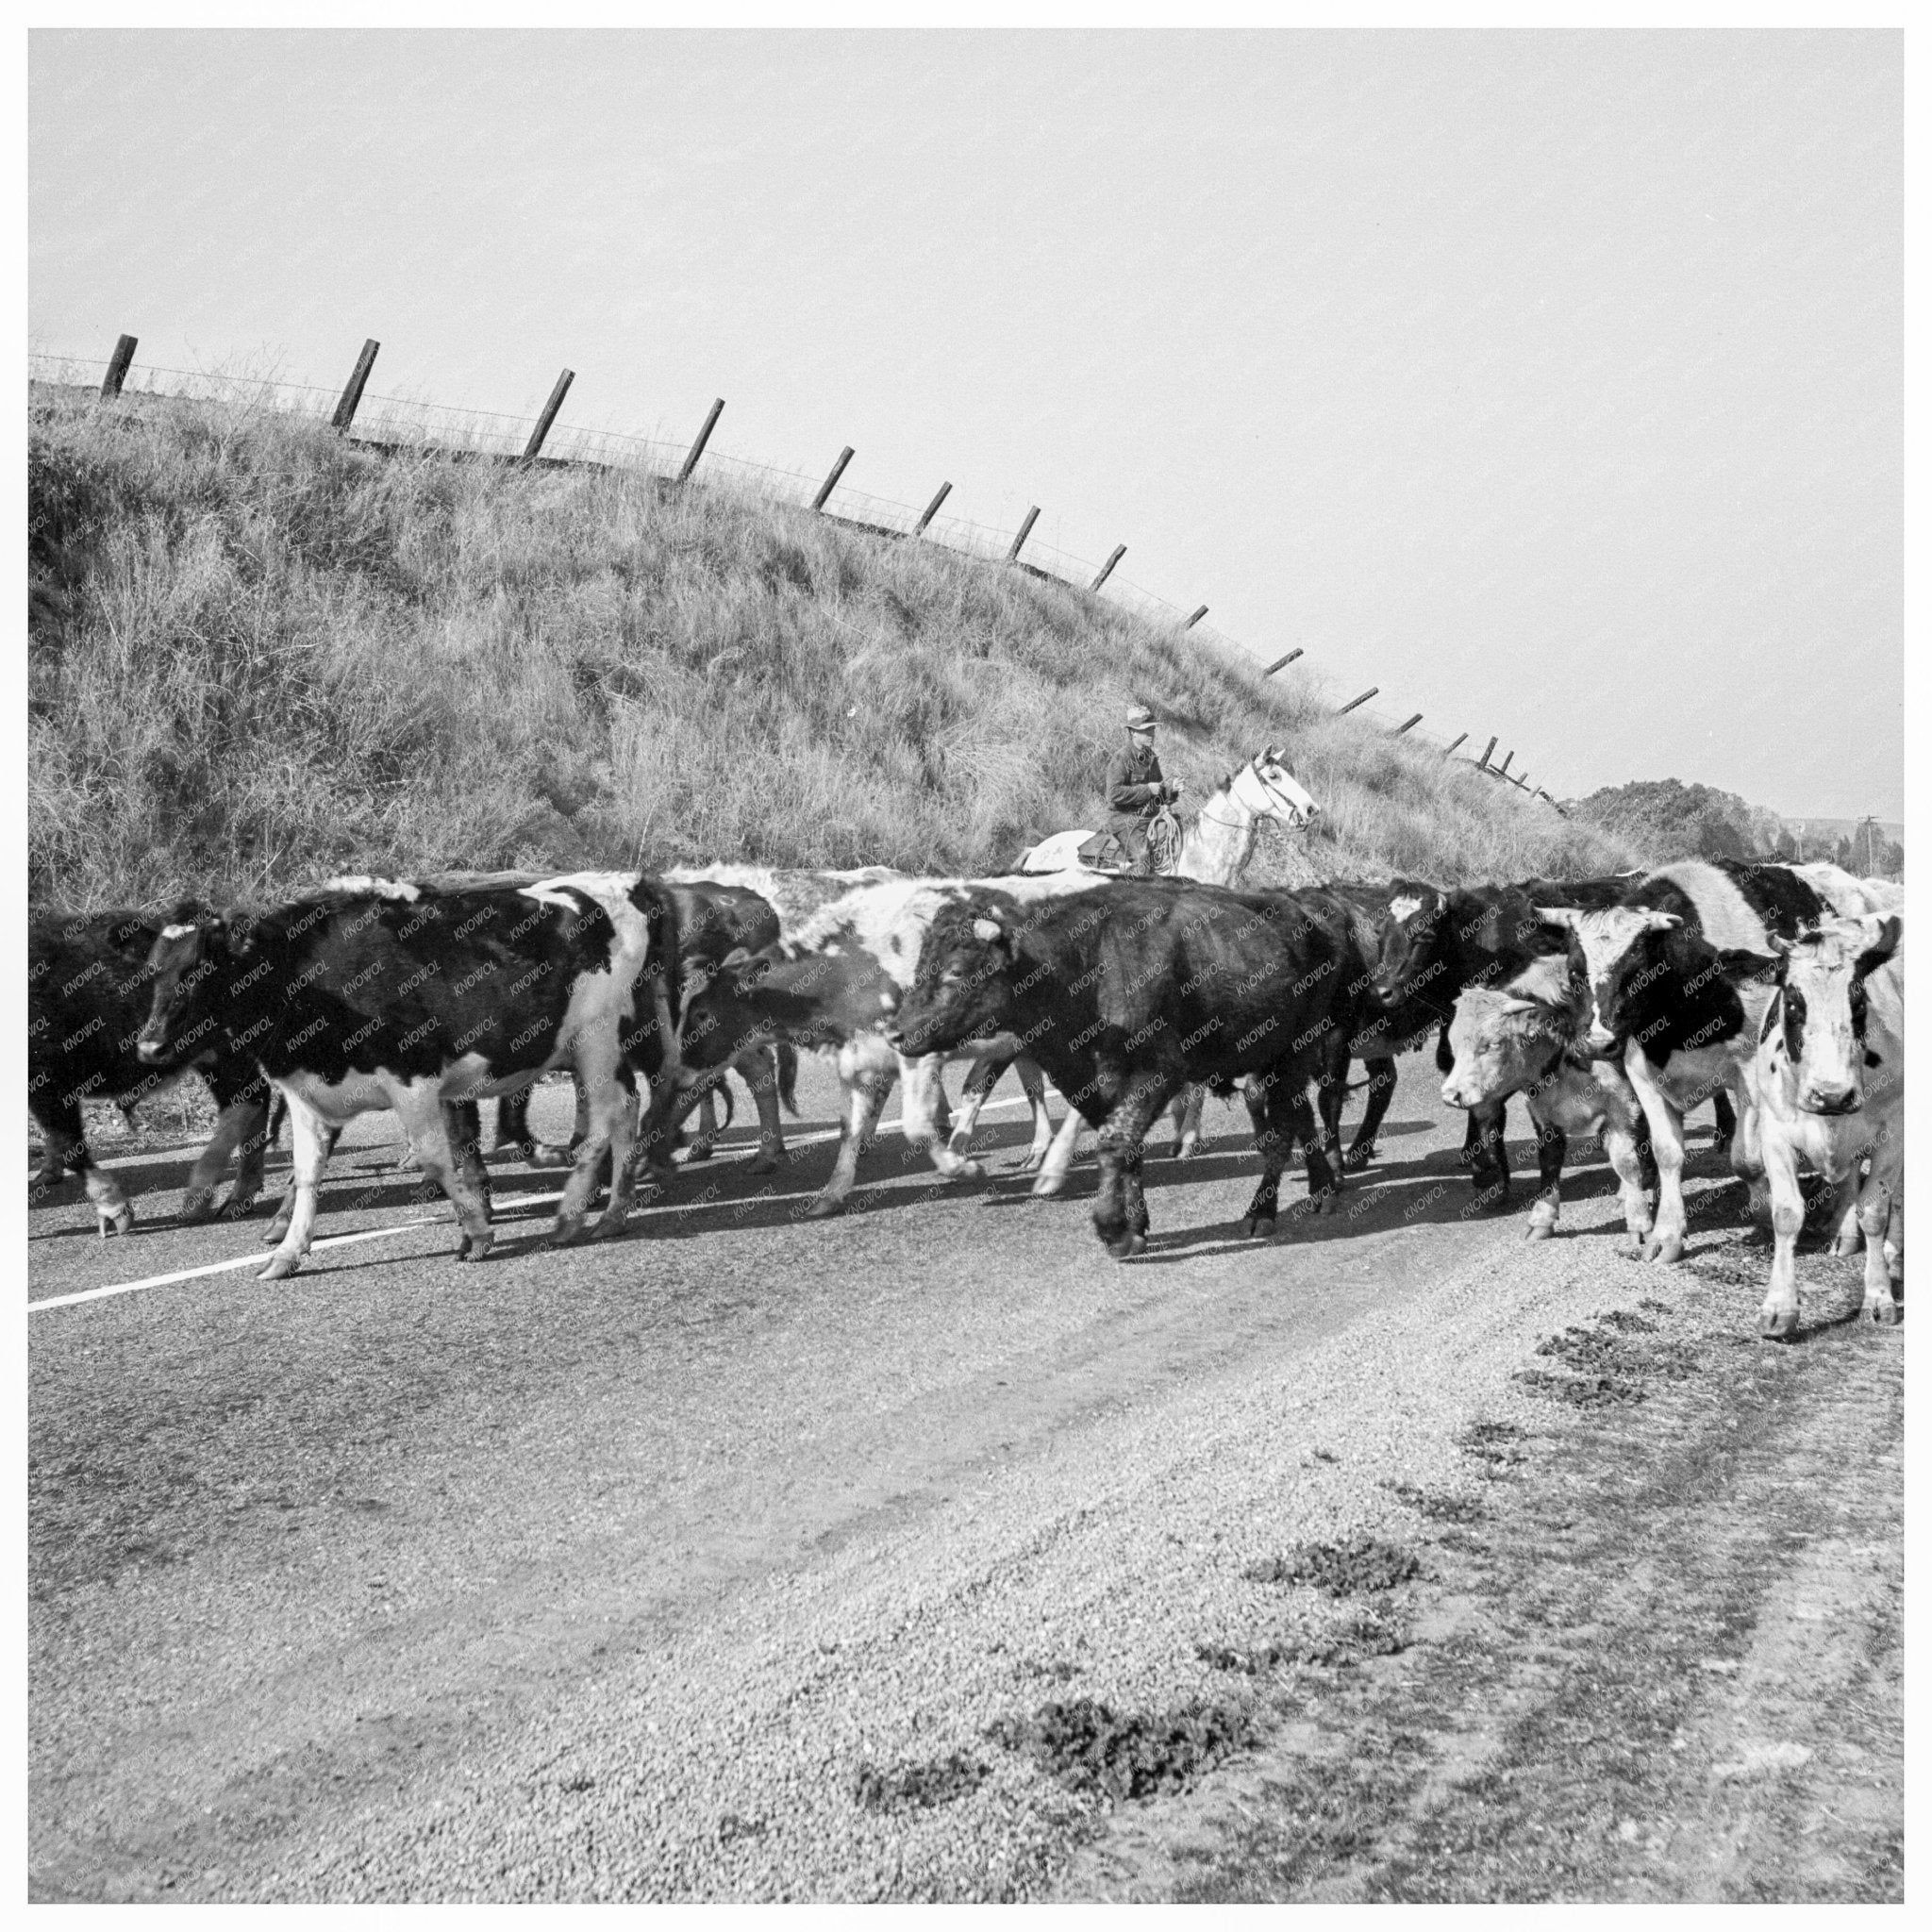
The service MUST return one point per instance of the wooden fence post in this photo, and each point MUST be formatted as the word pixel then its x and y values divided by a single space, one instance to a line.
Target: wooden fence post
pixel 352 397
pixel 1482 764
pixel 1503 770
pixel 830 483
pixel 932 509
pixel 1453 746
pixel 1196 619
pixel 117 368
pixel 697 449
pixel 1363 700
pixel 1024 527
pixel 1279 662
pixel 1120 550
pixel 549 415
pixel 1404 727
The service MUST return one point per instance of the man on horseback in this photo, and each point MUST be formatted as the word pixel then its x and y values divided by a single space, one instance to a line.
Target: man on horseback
pixel 1136 791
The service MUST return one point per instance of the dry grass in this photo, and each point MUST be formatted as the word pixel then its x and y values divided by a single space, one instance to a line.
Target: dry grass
pixel 259 656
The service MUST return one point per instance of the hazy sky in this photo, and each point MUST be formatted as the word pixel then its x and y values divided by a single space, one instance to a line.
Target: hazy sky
pixel 1550 381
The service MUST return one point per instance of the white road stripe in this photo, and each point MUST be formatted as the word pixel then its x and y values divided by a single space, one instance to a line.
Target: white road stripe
pixel 509 1202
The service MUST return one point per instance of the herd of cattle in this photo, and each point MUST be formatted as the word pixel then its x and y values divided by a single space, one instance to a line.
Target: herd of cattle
pixel 1613 1006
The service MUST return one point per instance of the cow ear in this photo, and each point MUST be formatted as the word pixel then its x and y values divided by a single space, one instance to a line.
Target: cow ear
pixel 737 963
pixel 1741 962
pixel 239 939
pixel 988 929
pixel 1884 943
pixel 1662 922
pixel 1559 915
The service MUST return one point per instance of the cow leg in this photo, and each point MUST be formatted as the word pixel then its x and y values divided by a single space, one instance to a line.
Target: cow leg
pixel 924 1116
pixel 463 1127
pixel 1120 1214
pixel 443 1137
pixel 1381 1073
pixel 1552 1144
pixel 867 1089
pixel 1187 1108
pixel 1847 1231
pixel 1059 1156
pixel 1875 1216
pixel 608 1135
pixel 1726 1117
pixel 285 1209
pixel 707 1124
pixel 1034 1083
pixel 293 1226
pixel 1666 1240
pixel 1620 1143
pixel 1778 1317
pixel 982 1076
pixel 618 1129
pixel 232 1127
pixel 251 1167
pixel 1331 1091
pixel 757 1067
pixel 1483 1149
pixel 64 1138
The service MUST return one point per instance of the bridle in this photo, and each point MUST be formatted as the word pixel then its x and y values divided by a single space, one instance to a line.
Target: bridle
pixel 1267 785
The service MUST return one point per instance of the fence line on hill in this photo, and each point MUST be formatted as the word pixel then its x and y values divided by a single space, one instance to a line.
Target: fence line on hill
pixel 405 423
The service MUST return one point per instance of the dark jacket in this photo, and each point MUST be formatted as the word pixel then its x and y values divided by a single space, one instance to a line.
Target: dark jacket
pixel 1134 781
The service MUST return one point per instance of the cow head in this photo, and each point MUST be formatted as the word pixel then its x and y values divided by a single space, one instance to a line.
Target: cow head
pixel 1609 951
pixel 1501 1045
pixel 963 988
pixel 1817 1019
pixel 1409 948
pixel 186 961
pixel 1268 790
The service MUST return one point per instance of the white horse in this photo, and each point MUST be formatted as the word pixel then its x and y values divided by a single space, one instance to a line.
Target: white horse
pixel 1217 845
pixel 1215 849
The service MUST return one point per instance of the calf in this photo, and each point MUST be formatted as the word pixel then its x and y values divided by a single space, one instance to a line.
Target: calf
pixel 397 997
pixel 1830 1081
pixel 89 988
pixel 1519 1041
pixel 1126 996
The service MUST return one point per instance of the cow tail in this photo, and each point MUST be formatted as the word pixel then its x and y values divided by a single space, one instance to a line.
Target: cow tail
pixel 788 1075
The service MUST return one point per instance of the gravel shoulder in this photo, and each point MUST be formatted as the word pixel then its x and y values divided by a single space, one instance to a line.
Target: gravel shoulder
pixel 715 1564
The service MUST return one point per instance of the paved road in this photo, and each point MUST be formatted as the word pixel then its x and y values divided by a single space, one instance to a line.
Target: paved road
pixel 335 1580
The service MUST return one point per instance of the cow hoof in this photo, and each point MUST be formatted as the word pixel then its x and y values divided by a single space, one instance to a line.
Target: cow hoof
pixel 543 1154
pixel 1259 1227
pixel 1357 1159
pixel 607 1229
pixel 239 1204
pixel 407 1164
pixel 279 1268
pixel 1844 1245
pixel 566 1234
pixel 1126 1246
pixel 823 1206
pixel 1538 1231
pixel 969 1170
pixel 700 1151
pixel 1777 1324
pixel 1030 1165
pixel 763 1163
pixel 114 1220
pixel 1322 1204
pixel 1886 1314
pixel 198 1207
pixel 1048 1185
pixel 476 1247
pixel 1669 1249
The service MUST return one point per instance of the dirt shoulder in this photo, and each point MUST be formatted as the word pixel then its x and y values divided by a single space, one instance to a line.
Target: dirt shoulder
pixel 1658 1656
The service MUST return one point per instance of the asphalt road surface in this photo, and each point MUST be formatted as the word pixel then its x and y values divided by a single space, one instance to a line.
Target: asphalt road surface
pixel 604 1572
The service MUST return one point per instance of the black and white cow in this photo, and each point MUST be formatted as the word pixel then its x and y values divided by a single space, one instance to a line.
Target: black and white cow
pixel 397 997
pixel 834 982
pixel 1125 996
pixel 89 991
pixel 1674 982
pixel 1829 1073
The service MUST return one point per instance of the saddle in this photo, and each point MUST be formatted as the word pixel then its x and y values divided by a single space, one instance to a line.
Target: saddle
pixel 1104 852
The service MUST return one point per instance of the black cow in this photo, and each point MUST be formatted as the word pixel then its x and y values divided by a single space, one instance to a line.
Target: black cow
pixel 398 997
pixel 89 988
pixel 1125 996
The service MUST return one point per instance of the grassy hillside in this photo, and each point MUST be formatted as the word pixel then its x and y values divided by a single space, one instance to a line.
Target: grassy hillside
pixel 259 655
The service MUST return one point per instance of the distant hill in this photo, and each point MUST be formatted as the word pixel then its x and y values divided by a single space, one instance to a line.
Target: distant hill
pixel 1664 819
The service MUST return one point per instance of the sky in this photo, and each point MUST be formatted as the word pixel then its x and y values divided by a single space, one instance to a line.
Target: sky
pixel 1551 382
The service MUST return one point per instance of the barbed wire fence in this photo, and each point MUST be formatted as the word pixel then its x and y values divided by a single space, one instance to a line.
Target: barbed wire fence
pixel 396 423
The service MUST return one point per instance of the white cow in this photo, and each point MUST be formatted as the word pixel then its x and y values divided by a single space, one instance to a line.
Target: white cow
pixel 1830 1079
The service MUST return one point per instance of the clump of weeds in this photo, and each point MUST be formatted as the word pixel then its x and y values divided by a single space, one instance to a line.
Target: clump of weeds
pixel 916 1786
pixel 1088 1745
pixel 1346 1569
